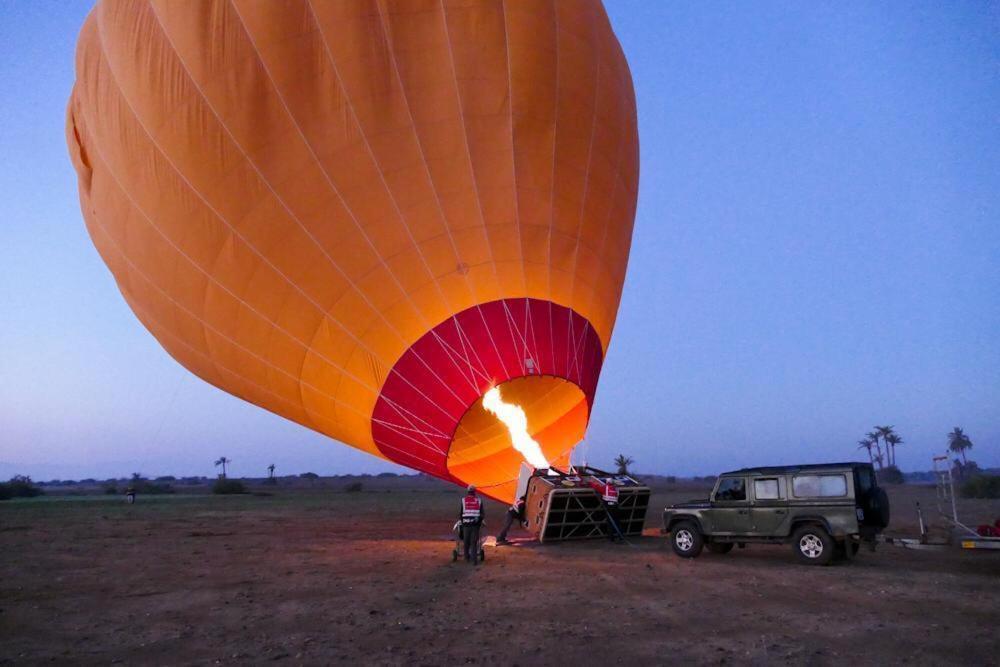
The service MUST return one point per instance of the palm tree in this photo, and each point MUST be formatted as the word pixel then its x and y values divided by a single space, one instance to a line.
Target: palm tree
pixel 223 461
pixel 874 436
pixel 891 441
pixel 270 471
pixel 867 444
pixel 958 442
pixel 623 462
pixel 884 432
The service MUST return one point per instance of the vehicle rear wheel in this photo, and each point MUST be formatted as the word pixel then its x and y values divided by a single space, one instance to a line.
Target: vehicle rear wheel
pixel 719 547
pixel 813 545
pixel 686 540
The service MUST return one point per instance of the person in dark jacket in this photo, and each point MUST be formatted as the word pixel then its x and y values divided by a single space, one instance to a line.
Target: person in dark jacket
pixel 514 512
pixel 472 516
pixel 609 498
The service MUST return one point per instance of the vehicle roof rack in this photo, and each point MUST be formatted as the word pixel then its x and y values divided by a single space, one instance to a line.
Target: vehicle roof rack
pixel 778 470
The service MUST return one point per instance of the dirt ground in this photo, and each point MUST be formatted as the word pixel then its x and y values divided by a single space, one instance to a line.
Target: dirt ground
pixel 322 576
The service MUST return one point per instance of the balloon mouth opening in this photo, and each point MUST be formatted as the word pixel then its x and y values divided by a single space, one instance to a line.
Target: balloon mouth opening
pixel 537 419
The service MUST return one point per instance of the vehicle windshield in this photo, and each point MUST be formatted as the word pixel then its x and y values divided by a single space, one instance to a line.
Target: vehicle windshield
pixel 732 488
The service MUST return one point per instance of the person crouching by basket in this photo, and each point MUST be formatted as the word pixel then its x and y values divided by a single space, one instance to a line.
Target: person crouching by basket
pixel 609 498
pixel 472 519
pixel 514 513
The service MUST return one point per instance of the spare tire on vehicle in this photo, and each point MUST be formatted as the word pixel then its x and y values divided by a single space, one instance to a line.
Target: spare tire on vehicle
pixel 876 507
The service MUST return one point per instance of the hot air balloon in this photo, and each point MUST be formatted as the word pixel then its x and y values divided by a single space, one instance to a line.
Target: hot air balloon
pixel 363 216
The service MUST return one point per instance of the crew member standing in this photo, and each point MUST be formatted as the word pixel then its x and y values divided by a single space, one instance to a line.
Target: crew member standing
pixel 472 519
pixel 515 511
pixel 609 497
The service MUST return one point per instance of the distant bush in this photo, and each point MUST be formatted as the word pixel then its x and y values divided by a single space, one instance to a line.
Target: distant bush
pixel 966 470
pixel 228 486
pixel 386 475
pixel 981 486
pixel 111 490
pixel 354 487
pixel 19 486
pixel 166 478
pixel 309 475
pixel 890 475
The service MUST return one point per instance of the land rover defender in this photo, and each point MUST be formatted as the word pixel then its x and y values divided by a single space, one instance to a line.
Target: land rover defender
pixel 824 511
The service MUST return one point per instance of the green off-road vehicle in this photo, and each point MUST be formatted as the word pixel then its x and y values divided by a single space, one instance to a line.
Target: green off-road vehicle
pixel 823 511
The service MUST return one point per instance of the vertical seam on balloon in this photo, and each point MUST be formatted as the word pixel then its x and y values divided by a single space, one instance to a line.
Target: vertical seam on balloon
pixel 611 208
pixel 572 347
pixel 468 149
pixel 392 197
pixel 513 151
pixel 555 138
pixel 552 340
pixel 177 248
pixel 512 324
pixel 586 180
pixel 390 47
pixel 253 165
pixel 475 182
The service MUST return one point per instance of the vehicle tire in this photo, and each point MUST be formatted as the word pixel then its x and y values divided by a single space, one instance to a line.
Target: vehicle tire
pixel 877 510
pixel 686 540
pixel 719 547
pixel 813 545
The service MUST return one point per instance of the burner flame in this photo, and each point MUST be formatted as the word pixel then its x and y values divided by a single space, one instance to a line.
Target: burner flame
pixel 516 422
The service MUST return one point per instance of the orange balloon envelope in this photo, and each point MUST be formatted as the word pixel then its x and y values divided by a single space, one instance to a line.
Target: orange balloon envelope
pixel 363 215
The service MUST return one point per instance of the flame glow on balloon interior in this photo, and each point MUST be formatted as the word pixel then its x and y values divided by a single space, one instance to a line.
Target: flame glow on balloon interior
pixel 513 417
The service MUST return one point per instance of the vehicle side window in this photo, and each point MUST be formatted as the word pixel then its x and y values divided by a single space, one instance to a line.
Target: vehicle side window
pixel 819 486
pixel 732 488
pixel 766 489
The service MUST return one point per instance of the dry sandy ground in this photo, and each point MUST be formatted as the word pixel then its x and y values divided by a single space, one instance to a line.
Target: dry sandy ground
pixel 319 577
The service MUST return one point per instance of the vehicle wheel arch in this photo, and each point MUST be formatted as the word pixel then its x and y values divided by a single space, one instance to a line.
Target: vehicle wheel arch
pixel 686 517
pixel 800 521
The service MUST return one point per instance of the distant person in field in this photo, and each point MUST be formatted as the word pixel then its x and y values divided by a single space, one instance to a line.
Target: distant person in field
pixel 609 498
pixel 130 495
pixel 472 519
pixel 514 512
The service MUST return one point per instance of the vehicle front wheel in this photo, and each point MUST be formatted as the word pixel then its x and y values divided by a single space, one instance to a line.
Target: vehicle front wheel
pixel 686 540
pixel 719 547
pixel 813 545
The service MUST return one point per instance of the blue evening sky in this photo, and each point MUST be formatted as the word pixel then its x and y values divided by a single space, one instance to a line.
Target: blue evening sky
pixel 816 250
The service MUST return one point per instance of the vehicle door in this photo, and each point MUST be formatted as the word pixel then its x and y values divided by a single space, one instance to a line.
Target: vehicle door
pixel 730 511
pixel 769 506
